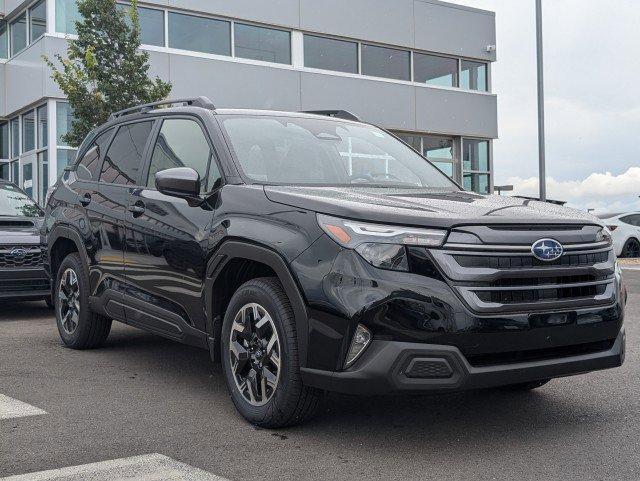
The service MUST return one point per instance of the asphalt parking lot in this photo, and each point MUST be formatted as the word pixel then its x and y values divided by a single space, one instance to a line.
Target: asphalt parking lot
pixel 163 408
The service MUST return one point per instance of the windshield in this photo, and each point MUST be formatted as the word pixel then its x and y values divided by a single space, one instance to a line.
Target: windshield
pixel 293 150
pixel 14 202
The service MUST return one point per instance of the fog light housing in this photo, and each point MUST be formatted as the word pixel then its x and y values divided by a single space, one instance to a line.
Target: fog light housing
pixel 361 339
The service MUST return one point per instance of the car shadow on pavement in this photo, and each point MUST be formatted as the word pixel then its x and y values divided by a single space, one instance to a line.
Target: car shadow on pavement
pixel 24 311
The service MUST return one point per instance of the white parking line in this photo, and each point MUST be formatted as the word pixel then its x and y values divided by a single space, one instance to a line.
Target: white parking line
pixel 630 268
pixel 148 467
pixel 12 408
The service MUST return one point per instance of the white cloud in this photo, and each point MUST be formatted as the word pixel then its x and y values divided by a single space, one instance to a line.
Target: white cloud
pixel 599 191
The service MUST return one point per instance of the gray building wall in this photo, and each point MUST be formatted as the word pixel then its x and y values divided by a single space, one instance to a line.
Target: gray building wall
pixel 424 25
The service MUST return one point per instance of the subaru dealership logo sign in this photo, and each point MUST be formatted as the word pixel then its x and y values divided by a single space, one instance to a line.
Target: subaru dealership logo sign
pixel 547 249
pixel 18 254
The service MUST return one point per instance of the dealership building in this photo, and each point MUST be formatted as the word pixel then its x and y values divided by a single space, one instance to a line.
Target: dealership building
pixel 419 68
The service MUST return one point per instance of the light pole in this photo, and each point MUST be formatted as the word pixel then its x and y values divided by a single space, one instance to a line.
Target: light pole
pixel 541 159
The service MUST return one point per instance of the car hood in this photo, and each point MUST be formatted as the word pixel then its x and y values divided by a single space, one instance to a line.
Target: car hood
pixel 20 230
pixel 422 207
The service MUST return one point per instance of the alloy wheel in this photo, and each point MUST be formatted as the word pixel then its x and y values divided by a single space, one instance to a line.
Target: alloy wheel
pixel 631 249
pixel 69 301
pixel 254 354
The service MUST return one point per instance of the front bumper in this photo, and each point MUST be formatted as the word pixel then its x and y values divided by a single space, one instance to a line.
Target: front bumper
pixel 391 367
pixel 24 284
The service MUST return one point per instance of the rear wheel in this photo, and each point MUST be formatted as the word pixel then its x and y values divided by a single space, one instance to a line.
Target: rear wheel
pixel 260 357
pixel 631 249
pixel 79 327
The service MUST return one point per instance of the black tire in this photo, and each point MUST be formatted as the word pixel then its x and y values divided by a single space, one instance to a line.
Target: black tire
pixel 290 402
pixel 631 249
pixel 91 329
pixel 525 386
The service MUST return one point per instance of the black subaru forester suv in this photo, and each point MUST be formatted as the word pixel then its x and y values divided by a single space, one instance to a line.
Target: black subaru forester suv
pixel 311 252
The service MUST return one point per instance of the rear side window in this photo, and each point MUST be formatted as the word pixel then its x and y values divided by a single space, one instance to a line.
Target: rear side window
pixel 631 220
pixel 182 143
pixel 89 166
pixel 122 162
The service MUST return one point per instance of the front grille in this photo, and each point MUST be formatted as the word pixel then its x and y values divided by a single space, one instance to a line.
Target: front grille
pixel 528 261
pixel 32 256
pixel 497 277
pixel 480 360
pixel 22 285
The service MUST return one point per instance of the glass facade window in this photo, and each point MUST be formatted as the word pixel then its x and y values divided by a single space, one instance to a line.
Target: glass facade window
pixel 43 127
pixel 14 127
pixel 37 20
pixel 43 175
pixel 4 40
pixel 29 131
pixel 330 54
pixel 440 151
pixel 15 172
pixel 19 33
pixel 199 34
pixel 66 16
pixel 261 43
pixel 64 117
pixel 151 25
pixel 386 62
pixel 435 70
pixel 476 183
pixel 4 140
pixel 475 155
pixel 64 157
pixel 473 75
pixel 5 172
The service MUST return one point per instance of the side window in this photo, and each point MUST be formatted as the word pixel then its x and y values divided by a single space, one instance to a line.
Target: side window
pixel 122 162
pixel 89 165
pixel 181 143
pixel 631 220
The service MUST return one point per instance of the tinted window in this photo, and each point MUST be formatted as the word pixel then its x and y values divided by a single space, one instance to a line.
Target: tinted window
pixel 475 155
pixel 435 70
pixel 4 140
pixel 14 125
pixel 151 25
pixel 66 16
pixel 182 143
pixel 473 75
pixel 38 19
pixel 43 127
pixel 64 119
pixel 476 183
pixel 330 54
pixel 19 34
pixel 631 219
pixel 386 62
pixel 260 43
pixel 89 165
pixel 122 162
pixel 13 202
pixel 199 34
pixel 4 40
pixel 28 131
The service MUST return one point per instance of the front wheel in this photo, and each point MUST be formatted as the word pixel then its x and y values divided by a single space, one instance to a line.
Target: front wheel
pixel 79 327
pixel 260 357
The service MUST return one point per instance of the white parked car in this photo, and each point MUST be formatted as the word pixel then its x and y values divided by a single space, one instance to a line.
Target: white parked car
pixel 625 229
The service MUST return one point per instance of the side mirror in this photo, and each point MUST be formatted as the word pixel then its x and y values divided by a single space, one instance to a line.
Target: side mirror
pixel 183 182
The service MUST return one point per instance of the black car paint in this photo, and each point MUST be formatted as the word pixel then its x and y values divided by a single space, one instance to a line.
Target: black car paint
pixel 159 267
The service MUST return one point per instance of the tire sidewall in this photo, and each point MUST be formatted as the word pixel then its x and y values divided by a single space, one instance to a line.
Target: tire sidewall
pixel 72 261
pixel 246 295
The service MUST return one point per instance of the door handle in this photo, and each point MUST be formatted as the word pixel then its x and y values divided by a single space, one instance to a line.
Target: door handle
pixel 85 199
pixel 136 209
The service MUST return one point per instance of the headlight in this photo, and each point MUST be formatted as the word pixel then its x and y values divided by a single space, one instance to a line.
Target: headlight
pixel 382 246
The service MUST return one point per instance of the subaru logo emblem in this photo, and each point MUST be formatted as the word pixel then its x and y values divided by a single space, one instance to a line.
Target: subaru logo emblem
pixel 547 249
pixel 18 253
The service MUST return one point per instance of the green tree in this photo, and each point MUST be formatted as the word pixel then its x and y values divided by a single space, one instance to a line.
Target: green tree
pixel 105 71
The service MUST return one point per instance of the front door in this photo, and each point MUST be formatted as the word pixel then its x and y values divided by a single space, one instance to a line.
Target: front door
pixel 166 238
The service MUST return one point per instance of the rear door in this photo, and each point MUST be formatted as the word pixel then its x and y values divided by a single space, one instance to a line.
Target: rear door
pixel 166 238
pixel 119 177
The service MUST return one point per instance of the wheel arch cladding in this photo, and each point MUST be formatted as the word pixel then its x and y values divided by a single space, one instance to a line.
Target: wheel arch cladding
pixel 232 265
pixel 61 242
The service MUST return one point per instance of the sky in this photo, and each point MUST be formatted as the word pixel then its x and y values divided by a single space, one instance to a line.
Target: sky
pixel 592 100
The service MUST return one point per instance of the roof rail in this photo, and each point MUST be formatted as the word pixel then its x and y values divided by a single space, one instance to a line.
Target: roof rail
pixel 203 102
pixel 338 114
